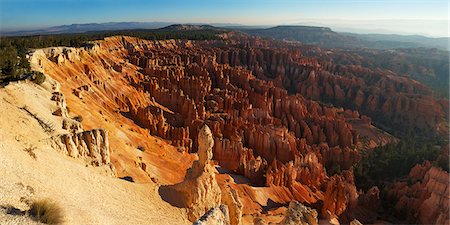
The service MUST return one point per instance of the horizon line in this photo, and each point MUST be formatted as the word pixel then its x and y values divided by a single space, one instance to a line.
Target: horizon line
pixel 297 23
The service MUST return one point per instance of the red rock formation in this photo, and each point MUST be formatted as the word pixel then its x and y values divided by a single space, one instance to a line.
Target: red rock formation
pixel 426 200
pixel 261 100
pixel 261 131
pixel 340 193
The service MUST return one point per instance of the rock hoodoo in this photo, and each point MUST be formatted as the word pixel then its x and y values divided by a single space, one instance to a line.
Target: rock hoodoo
pixel 199 192
pixel 281 117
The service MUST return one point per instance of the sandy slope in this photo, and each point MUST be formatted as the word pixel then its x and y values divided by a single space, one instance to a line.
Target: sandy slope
pixel 86 194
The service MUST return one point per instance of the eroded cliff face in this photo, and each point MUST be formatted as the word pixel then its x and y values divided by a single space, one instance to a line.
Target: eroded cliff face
pixel 259 98
pixel 89 78
pixel 425 198
pixel 91 145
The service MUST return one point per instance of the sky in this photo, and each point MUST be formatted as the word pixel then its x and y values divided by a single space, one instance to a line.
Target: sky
pixel 426 17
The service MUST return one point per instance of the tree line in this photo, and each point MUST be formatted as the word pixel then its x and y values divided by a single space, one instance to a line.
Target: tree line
pixel 13 50
pixel 394 161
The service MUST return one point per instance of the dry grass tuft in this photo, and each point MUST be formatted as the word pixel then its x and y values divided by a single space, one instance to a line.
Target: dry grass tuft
pixel 47 126
pixel 46 211
pixel 30 151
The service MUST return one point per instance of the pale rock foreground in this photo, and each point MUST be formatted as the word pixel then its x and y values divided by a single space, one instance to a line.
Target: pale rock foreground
pixel 87 193
pixel 298 214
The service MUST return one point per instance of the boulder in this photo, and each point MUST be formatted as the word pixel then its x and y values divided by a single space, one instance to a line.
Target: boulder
pixel 298 214
pixel 215 216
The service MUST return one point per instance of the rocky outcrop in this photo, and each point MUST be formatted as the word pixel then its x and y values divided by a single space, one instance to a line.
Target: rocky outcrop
pixel 92 146
pixel 72 126
pixel 68 124
pixel 298 214
pixel 199 192
pixel 215 216
pixel 426 200
pixel 61 104
pixel 230 198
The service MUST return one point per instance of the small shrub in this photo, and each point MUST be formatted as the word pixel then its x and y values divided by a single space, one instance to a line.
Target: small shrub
pixel 46 211
pixel 30 151
pixel 78 118
pixel 128 178
pixel 38 77
pixel 47 126
pixel 141 148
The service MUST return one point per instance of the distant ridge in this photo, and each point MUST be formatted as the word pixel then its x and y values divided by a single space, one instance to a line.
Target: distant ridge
pixel 187 27
pixel 322 36
pixel 312 35
pixel 303 28
pixel 82 28
pixel 325 37
pixel 111 26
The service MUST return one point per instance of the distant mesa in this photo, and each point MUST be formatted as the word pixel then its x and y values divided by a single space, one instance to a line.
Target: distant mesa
pixel 189 27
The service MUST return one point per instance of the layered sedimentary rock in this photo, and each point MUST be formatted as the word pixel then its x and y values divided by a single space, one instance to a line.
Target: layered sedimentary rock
pixel 92 146
pixel 426 200
pixel 68 124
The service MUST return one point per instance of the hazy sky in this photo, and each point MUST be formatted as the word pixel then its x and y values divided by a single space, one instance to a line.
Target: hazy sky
pixel 429 17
